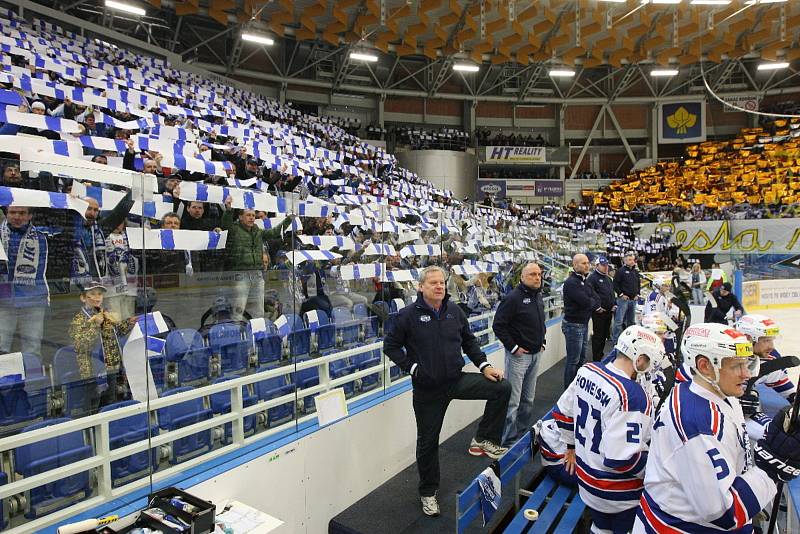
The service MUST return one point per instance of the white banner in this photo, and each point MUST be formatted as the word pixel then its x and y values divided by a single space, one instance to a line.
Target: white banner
pixel 765 294
pixel 516 154
pixel 753 236
pixel 749 103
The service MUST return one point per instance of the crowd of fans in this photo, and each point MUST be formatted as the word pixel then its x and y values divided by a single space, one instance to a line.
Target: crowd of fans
pixel 444 138
pixel 487 137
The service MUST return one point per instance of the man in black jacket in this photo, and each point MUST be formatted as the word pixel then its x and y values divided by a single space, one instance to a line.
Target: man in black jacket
pixel 627 284
pixel 579 303
pixel 722 302
pixel 603 286
pixel 433 333
pixel 519 325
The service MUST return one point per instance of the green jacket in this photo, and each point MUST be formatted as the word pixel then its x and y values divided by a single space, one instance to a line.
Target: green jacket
pixel 244 247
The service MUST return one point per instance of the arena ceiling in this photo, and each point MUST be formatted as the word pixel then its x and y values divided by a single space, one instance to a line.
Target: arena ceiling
pixel 612 46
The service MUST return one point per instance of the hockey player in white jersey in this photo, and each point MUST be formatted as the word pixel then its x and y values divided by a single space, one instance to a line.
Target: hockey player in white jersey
pixel 763 331
pixel 702 475
pixel 605 419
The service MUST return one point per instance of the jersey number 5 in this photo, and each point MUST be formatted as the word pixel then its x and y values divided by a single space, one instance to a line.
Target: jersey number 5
pixel 719 463
pixel 580 424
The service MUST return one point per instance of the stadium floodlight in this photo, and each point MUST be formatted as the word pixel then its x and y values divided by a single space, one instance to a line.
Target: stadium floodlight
pixel 710 2
pixel 363 56
pixel 127 8
pixel 773 66
pixel 561 73
pixel 256 38
pixel 614 1
pixel 466 67
pixel 772 1
pixel 664 72
pixel 661 1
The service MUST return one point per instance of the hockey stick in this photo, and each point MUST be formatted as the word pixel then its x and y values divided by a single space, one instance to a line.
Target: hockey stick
pixel 770 366
pixel 776 504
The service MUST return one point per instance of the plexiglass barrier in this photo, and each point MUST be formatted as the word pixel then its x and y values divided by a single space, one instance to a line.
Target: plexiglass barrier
pixel 152 323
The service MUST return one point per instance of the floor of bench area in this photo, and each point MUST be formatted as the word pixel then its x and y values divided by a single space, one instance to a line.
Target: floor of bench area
pixel 394 508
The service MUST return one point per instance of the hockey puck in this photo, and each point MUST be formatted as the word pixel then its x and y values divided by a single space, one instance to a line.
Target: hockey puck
pixel 530 514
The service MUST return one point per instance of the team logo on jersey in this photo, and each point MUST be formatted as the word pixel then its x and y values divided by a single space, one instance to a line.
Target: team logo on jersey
pixel 526 301
pixel 425 319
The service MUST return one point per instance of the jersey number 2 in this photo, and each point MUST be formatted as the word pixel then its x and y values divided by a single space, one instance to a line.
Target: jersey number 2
pixel 581 425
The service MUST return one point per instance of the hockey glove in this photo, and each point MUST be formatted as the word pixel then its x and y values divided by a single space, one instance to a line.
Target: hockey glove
pixel 750 402
pixel 779 441
pixel 777 469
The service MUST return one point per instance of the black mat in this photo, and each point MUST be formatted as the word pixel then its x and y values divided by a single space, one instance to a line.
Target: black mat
pixel 394 507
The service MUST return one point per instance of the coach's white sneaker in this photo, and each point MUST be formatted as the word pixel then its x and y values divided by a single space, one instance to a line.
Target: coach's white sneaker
pixel 430 505
pixel 486 448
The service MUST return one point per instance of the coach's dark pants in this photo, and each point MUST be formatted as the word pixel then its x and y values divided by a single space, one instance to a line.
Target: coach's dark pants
pixel 430 406
pixel 601 330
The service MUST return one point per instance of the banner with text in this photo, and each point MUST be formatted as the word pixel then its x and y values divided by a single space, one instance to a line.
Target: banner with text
pixel 515 154
pixel 765 294
pixel 746 102
pixel 537 188
pixel 682 122
pixel 756 236
pixel 490 188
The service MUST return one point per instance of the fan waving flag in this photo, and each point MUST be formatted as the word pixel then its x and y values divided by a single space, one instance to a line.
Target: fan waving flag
pixel 142 238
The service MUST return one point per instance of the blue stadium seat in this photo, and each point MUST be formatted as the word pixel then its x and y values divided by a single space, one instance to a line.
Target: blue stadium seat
pixel 369 323
pixel 396 305
pixel 221 404
pixel 78 393
pixel 347 330
pixel 272 388
pixel 128 431
pixel 185 348
pixel 324 331
pixel 24 401
pixel 181 415
pixel 225 340
pixel 50 454
pixel 268 345
pixel 299 337
pixel 340 368
pixel 365 360
pixel 307 378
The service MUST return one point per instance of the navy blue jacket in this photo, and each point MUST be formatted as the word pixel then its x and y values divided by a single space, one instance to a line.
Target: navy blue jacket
pixel 519 321
pixel 603 287
pixel 627 281
pixel 580 300
pixel 432 342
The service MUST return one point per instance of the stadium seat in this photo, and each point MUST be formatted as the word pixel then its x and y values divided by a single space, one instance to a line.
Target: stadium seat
pixel 369 324
pixel 50 454
pixel 185 348
pixel 226 341
pixel 340 368
pixel 181 415
pixel 307 378
pixel 324 331
pixel 79 394
pixel 272 388
pixel 128 431
pixel 365 360
pixel 221 404
pixel 24 401
pixel 347 330
pixel 268 345
pixel 299 337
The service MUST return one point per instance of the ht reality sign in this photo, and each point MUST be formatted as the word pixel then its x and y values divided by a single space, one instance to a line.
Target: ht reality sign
pixel 515 154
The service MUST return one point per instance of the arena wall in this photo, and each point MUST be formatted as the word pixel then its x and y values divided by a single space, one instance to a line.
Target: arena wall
pixel 446 169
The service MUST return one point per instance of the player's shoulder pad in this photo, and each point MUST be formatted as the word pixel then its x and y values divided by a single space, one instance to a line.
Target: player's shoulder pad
pixel 630 395
pixel 694 415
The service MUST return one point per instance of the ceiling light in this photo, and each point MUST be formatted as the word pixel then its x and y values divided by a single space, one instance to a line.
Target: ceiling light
pixel 773 66
pixel 562 73
pixel 614 1
pixel 260 39
pixel 710 2
pixel 363 56
pixel 127 8
pixel 466 67
pixel 771 1
pixel 661 1
pixel 664 72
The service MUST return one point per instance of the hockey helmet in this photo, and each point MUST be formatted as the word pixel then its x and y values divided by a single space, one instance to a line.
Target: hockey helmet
pixel 717 342
pixel 637 341
pixel 655 324
pixel 757 326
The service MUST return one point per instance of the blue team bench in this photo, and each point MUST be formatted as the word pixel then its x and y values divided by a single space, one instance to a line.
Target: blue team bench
pixel 560 508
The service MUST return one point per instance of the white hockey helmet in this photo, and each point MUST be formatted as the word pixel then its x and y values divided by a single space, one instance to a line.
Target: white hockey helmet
pixel 757 326
pixel 654 323
pixel 717 342
pixel 637 341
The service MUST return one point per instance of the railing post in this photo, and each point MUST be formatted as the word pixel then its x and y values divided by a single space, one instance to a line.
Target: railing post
pixel 237 405
pixel 386 371
pixel 102 443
